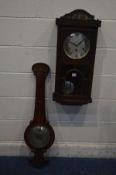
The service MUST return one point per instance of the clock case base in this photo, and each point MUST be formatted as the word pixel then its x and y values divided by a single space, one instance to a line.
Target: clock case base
pixel 74 100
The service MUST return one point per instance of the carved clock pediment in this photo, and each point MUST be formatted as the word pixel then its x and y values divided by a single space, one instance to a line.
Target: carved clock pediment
pixel 78 17
pixel 78 14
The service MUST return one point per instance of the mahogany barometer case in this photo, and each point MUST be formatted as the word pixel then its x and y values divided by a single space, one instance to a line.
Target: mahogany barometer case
pixel 76 47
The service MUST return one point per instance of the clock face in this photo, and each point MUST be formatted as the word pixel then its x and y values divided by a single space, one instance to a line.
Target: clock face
pixel 76 46
pixel 39 137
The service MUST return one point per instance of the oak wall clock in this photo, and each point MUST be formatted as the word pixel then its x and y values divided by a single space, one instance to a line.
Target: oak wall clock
pixel 39 135
pixel 76 48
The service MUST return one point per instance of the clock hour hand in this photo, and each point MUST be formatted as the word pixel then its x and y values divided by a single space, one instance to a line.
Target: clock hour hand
pixel 77 44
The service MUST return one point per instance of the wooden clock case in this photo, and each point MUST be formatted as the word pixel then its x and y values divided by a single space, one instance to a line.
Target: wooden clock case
pixel 82 22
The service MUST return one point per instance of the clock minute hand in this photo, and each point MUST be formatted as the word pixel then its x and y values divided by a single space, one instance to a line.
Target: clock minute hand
pixel 79 43
pixel 73 43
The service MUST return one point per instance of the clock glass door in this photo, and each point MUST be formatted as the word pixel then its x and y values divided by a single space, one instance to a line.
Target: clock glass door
pixel 76 46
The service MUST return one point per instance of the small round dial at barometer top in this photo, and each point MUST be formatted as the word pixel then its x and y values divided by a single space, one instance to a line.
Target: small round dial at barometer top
pixel 76 45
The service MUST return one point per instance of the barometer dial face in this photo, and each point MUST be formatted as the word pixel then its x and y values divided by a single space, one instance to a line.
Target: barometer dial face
pixel 39 137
